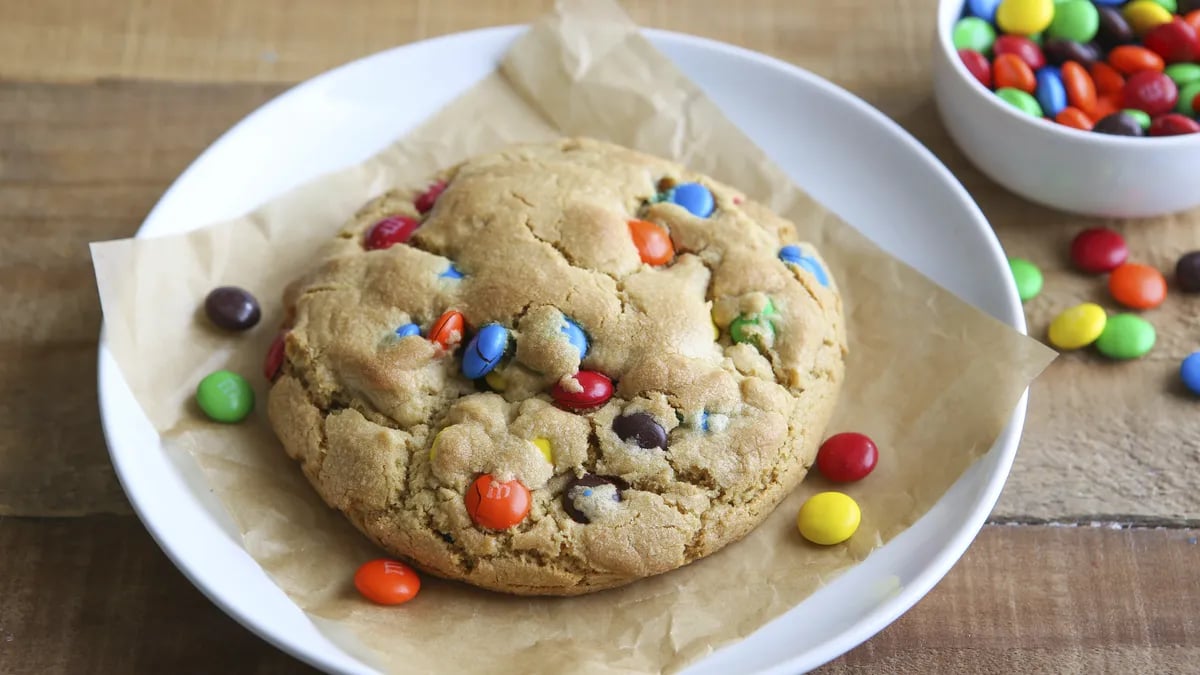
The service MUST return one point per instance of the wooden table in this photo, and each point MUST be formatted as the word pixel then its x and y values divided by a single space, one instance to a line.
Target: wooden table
pixel 103 103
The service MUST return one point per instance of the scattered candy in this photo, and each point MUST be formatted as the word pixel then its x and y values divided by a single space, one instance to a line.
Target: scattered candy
pixel 1137 286
pixel 426 200
pixel 1119 124
pixel 448 330
pixel 581 498
pixel 1187 272
pixel 641 429
pixel 829 518
pixel 1126 336
pixel 1189 372
pixel 390 231
pixel 232 308
pixel 484 351
pixel 575 336
pixel 694 197
pixel 407 330
pixel 544 447
pixel 387 582
pixel 652 242
pixel 1098 250
pixel 274 359
pixel 847 457
pixel 596 389
pixel 1027 277
pixel 225 397
pixel 497 506
pixel 1078 326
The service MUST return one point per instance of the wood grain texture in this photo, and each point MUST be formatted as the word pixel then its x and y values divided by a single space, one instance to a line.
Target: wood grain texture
pixel 84 157
pixel 96 595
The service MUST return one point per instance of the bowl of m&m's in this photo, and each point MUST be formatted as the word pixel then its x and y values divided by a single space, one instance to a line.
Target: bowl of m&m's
pixel 1087 106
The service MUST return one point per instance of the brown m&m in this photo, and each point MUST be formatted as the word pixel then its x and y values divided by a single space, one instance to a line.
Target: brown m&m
pixel 232 308
pixel 589 495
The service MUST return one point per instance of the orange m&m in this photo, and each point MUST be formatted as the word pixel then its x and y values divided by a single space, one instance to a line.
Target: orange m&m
pixel 1129 59
pixel 1081 91
pixel 448 330
pixel 387 582
pixel 1107 79
pixel 1008 70
pixel 1137 286
pixel 652 242
pixel 495 505
pixel 1074 118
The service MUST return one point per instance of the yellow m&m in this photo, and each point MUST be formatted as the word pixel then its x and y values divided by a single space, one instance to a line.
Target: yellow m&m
pixel 1024 17
pixel 1078 326
pixel 828 518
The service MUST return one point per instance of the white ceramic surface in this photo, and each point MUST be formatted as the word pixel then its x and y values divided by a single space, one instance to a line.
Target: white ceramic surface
pixel 830 142
pixel 1078 171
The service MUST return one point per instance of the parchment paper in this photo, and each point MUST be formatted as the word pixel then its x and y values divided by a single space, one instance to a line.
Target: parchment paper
pixel 932 379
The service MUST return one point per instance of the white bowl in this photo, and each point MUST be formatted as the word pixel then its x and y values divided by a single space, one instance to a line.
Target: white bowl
pixel 1068 169
pixel 830 142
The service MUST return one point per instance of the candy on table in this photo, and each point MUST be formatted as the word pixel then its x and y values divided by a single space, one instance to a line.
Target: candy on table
pixel 1077 327
pixel 641 429
pixel 1098 250
pixel 1187 272
pixel 586 496
pixel 1189 372
pixel 448 330
pixel 387 582
pixel 592 391
pixel 653 243
pixel 273 361
pixel 225 397
pixel 847 457
pixel 1137 286
pixel 828 518
pixel 497 506
pixel 1027 277
pixel 232 308
pixel 575 336
pixel 390 231
pixel 694 197
pixel 1119 124
pixel 407 330
pixel 426 200
pixel 484 351
pixel 1126 336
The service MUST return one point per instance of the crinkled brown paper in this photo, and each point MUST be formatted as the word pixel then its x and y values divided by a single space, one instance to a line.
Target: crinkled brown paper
pixel 918 356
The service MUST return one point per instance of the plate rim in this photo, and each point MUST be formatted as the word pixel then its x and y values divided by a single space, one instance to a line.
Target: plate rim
pixel 886 612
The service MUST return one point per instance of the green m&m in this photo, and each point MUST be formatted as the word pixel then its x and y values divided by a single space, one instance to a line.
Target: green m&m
pixel 1027 277
pixel 1020 100
pixel 1126 336
pixel 225 397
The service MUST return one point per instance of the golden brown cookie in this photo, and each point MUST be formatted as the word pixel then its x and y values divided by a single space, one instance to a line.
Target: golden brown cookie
pixel 575 367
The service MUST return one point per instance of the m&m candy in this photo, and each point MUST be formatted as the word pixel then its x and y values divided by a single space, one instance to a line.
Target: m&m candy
pixel 641 429
pixel 1027 277
pixel 1098 250
pixel 390 231
pixel 1187 272
pixel 225 397
pixel 589 389
pixel 828 518
pixel 1137 286
pixel 1104 66
pixel 1126 336
pixel 1189 372
pixel 426 200
pixel 448 330
pixel 232 308
pixel 407 330
pixel 1078 326
pixel 387 582
pixel 575 336
pixel 484 351
pixel 847 457
pixel 274 359
pixel 497 506
pixel 652 242
pixel 694 197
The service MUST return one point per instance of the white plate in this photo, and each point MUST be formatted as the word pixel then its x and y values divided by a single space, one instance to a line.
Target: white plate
pixel 845 153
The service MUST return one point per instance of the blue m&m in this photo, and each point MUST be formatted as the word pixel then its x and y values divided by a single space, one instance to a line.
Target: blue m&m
pixel 484 351
pixel 407 330
pixel 1189 372
pixel 694 197
pixel 1051 92
pixel 575 336
pixel 451 273
pixel 792 255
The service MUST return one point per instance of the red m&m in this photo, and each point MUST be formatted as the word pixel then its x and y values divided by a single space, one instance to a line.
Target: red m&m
pixel 1098 250
pixel 390 231
pixel 847 457
pixel 589 390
